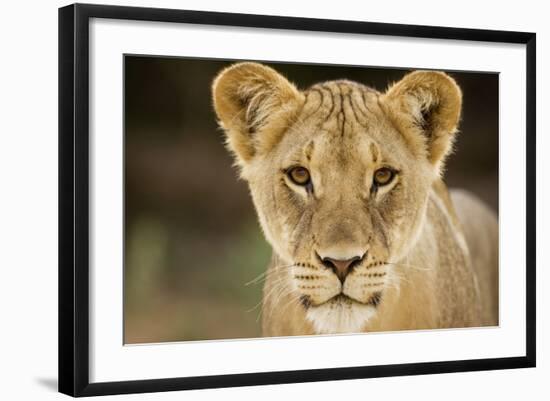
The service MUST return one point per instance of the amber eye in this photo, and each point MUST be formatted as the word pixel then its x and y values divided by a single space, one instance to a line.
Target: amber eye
pixel 383 176
pixel 299 175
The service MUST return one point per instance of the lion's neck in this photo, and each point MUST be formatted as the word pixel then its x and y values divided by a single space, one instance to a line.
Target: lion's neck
pixel 425 293
pixel 409 301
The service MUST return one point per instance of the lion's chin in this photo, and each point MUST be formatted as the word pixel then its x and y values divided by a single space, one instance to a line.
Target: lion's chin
pixel 339 315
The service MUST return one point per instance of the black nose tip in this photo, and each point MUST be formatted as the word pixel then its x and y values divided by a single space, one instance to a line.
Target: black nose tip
pixel 342 267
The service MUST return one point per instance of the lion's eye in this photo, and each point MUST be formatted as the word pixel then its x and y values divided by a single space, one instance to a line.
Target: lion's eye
pixel 299 175
pixel 383 176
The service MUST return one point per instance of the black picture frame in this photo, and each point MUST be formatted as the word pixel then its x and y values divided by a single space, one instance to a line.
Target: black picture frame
pixel 74 198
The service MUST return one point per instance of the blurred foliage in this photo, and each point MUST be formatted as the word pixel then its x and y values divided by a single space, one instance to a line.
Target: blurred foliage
pixel 179 287
pixel 191 235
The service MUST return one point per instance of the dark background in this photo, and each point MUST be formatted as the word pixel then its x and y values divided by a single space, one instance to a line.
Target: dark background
pixel 192 241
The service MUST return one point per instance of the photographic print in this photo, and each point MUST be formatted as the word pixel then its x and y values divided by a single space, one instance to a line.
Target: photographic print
pixel 266 199
pixel 254 199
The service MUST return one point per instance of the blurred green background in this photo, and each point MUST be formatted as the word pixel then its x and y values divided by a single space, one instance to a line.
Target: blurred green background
pixel 192 241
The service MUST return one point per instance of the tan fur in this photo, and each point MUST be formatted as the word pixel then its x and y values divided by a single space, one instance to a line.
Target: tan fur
pixel 420 269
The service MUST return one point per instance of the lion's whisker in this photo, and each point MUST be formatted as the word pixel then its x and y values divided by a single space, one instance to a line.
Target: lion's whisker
pixel 276 286
pixel 410 266
pixel 264 275
pixel 284 292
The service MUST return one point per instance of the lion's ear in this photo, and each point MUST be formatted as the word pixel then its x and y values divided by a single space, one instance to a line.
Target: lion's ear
pixel 254 105
pixel 426 107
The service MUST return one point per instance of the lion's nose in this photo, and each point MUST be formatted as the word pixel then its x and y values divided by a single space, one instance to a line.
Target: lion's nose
pixel 342 267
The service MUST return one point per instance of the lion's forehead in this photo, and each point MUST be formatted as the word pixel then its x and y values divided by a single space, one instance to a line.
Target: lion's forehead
pixel 342 135
pixel 339 106
pixel 339 165
pixel 343 123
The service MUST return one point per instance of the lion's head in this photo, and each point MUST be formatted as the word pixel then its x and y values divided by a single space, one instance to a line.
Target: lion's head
pixel 340 175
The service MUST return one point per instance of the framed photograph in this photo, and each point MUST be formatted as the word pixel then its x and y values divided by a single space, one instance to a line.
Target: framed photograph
pixel 250 199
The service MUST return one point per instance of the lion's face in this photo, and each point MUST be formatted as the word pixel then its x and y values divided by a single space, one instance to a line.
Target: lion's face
pixel 340 179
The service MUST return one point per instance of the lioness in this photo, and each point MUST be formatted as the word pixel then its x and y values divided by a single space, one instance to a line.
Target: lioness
pixel 347 186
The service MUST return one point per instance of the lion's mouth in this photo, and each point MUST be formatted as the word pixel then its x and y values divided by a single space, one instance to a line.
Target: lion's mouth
pixel 342 298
